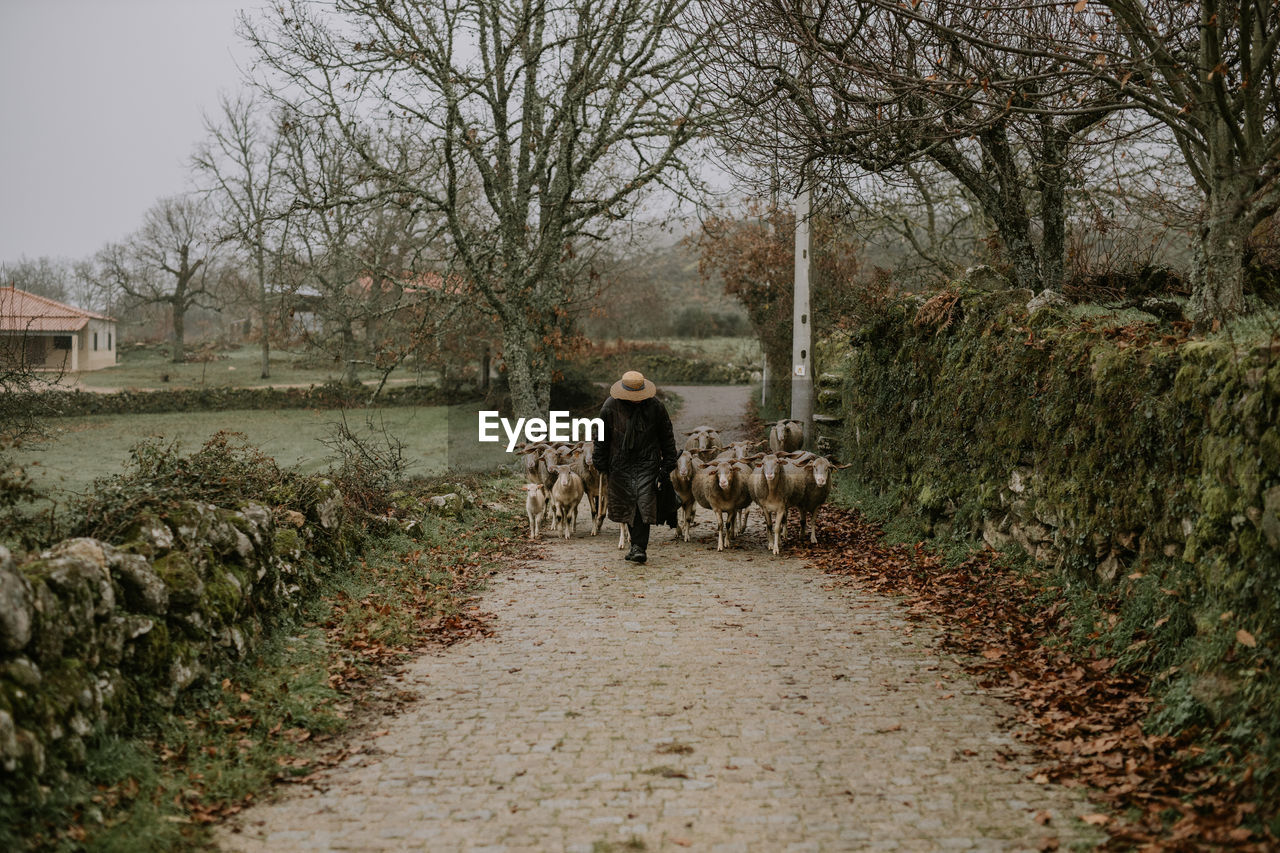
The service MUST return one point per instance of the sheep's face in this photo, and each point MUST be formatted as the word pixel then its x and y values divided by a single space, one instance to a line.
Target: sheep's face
pixel 684 465
pixel 769 467
pixel 724 473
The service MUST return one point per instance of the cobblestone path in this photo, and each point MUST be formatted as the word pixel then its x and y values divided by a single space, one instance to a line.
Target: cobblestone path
pixel 705 701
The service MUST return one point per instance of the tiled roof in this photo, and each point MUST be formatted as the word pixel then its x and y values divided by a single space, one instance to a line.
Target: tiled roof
pixel 26 312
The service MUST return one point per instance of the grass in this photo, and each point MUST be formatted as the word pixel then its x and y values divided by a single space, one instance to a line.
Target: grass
pixel 144 368
pixel 82 449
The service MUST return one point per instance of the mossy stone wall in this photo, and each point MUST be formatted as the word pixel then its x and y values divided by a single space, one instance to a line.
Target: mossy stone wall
pixel 1134 460
pixel 94 636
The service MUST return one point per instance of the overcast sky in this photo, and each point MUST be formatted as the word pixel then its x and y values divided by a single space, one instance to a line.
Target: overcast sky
pixel 100 107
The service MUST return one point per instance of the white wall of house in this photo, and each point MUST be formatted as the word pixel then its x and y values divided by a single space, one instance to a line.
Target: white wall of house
pixel 92 348
pixel 98 345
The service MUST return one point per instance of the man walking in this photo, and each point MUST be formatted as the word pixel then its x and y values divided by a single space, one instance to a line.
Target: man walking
pixel 638 454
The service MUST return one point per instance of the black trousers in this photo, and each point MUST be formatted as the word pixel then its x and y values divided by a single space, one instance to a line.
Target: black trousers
pixel 639 531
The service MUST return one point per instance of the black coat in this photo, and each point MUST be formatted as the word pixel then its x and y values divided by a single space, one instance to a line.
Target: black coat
pixel 635 466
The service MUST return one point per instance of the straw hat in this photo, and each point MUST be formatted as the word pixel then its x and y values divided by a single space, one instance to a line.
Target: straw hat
pixel 633 386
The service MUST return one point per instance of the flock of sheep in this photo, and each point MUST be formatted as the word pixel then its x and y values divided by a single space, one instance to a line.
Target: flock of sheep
pixel 725 479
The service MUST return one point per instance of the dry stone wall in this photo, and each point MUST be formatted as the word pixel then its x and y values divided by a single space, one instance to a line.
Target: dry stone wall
pixel 92 635
pixel 1137 462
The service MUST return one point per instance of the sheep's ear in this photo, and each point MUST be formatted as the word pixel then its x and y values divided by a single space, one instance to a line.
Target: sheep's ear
pixel 842 467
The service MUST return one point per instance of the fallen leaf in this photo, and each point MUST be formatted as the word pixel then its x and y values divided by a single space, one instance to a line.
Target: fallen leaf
pixel 1096 819
pixel 1245 638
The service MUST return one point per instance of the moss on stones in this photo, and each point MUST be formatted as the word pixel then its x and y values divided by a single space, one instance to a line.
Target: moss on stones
pixel 1131 455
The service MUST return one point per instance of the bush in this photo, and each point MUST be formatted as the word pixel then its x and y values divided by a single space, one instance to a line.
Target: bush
pixel 694 321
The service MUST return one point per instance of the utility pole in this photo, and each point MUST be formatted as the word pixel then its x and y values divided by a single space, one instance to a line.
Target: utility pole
pixel 801 327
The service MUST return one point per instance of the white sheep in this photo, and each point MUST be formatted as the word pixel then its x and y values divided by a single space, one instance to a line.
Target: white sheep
pixel 682 482
pixel 535 506
pixel 703 442
pixel 593 482
pixel 775 493
pixel 721 487
pixel 817 486
pixel 566 495
pixel 786 435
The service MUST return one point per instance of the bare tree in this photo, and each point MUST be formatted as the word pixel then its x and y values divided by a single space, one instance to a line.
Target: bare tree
pixel 165 261
pixel 531 125
pixel 43 276
pixel 367 257
pixel 879 85
pixel 240 165
pixel 1208 71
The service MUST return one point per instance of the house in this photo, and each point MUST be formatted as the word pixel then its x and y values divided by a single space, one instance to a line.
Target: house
pixel 42 334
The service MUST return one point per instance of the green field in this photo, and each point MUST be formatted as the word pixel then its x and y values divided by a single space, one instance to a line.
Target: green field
pixel 146 367
pixel 79 450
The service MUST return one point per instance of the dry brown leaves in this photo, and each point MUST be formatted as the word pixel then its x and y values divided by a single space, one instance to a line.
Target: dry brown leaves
pixel 939 312
pixel 1083 717
pixel 1139 334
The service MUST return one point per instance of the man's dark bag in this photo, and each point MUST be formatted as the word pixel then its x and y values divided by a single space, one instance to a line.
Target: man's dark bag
pixel 668 502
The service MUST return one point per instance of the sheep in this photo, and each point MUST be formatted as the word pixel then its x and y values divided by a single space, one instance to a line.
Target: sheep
pixel 786 434
pixel 593 482
pixel 720 486
pixel 703 441
pixel 737 450
pixel 775 492
pixel 682 482
pixel 534 462
pixel 817 485
pixel 566 494
pixel 535 506
pixel 742 512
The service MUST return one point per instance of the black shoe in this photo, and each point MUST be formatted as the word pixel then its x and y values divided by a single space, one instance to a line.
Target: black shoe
pixel 635 555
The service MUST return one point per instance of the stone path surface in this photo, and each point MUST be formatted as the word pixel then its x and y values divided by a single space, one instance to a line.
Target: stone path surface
pixel 705 701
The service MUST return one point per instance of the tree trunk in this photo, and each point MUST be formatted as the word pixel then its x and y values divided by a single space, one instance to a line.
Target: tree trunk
pixel 1218 280
pixel 1218 283
pixel 521 377
pixel 178 354
pixel 1053 217
pixel 350 368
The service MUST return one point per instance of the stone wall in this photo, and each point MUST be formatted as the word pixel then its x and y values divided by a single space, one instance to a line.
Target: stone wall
pixel 1133 460
pixel 93 636
pixel 331 396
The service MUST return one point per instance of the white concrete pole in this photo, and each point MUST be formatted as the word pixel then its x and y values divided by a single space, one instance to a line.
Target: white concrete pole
pixel 802 325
